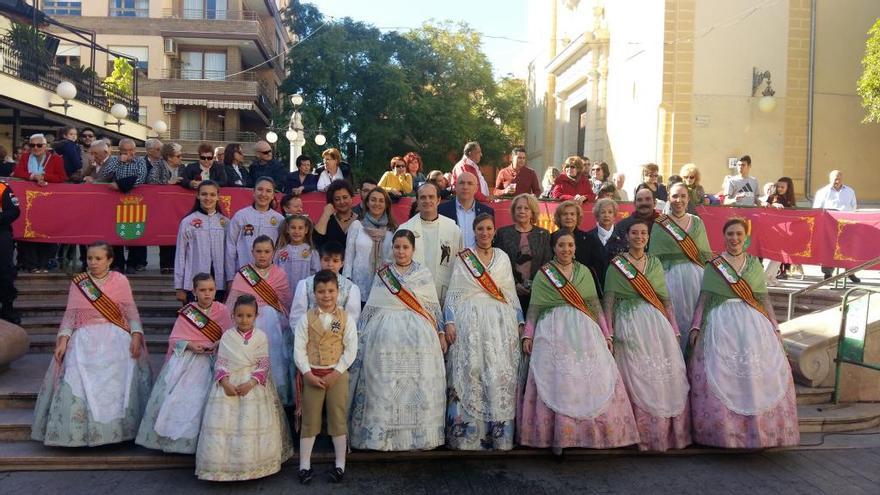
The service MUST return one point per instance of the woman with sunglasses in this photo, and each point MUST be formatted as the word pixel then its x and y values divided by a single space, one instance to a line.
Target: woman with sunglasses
pixel 526 244
pixel 690 175
pixel 397 182
pixel 599 176
pixel 573 184
pixel 233 163
pixel 204 169
pixel 651 180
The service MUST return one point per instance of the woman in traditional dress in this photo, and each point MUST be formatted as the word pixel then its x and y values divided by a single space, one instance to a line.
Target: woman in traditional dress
pixel 574 395
pixel 398 379
pixel 201 243
pixel 679 241
pixel 259 219
pixel 244 434
pixel 742 392
pixel 174 412
pixel 484 323
pixel 268 283
pixel 368 246
pixel 99 381
pixel 642 321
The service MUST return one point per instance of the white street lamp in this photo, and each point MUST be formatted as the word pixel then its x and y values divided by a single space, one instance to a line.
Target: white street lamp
pixel 320 140
pixel 66 91
pixel 296 100
pixel 272 137
pixel 291 135
pixel 160 126
pixel 119 112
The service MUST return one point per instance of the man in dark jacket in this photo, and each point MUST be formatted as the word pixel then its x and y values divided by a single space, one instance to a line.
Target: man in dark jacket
pixel 465 208
pixel 9 212
pixel 602 242
pixel 644 202
pixel 70 151
pixel 266 166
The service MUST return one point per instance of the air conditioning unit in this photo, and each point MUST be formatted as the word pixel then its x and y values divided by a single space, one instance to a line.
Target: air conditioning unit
pixel 171 47
pixel 169 107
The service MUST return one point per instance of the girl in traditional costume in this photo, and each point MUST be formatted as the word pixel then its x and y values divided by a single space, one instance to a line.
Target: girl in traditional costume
pixel 268 283
pixel 484 323
pixel 574 395
pixel 174 412
pixel 742 392
pixel 201 243
pixel 642 321
pixel 249 223
pixel 398 379
pixel 244 432
pixel 99 381
pixel 679 240
pixel 296 253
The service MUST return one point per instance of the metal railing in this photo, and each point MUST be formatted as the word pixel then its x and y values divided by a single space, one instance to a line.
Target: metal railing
pixel 209 135
pixel 830 280
pixel 852 337
pixel 128 12
pixel 207 75
pixel 47 74
pixel 210 14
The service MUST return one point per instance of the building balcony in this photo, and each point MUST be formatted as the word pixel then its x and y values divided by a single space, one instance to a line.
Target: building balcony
pixel 213 89
pixel 30 68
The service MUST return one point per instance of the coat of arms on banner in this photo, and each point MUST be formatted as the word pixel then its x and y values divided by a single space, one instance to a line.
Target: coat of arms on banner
pixel 131 217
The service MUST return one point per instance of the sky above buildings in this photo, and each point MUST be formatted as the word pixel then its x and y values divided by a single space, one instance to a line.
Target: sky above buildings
pixel 495 19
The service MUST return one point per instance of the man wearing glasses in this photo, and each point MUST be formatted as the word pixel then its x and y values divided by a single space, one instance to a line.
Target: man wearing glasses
pixel 204 169
pixel 266 165
pixel 124 172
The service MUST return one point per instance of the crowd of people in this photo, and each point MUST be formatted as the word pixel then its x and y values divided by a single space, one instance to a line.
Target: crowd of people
pixel 440 331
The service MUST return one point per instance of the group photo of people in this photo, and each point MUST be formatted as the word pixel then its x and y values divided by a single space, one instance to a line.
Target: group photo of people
pixel 441 330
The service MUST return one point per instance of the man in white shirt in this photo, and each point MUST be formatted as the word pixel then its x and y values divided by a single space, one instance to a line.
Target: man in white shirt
pixel 741 189
pixel 836 196
pixel 464 208
pixel 438 239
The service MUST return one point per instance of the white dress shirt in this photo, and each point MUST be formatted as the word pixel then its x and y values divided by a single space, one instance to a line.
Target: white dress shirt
pixel 829 198
pixel 301 339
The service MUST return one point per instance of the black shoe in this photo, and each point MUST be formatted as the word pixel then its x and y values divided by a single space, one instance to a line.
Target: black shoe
pixel 827 276
pixel 782 276
pixel 140 268
pixel 336 475
pixel 305 476
pixel 854 279
pixel 130 270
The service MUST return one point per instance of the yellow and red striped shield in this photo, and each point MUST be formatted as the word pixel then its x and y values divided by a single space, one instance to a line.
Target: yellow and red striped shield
pixel 131 217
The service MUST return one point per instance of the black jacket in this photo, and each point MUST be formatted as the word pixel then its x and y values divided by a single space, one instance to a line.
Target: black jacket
pixel 71 153
pixel 194 172
pixel 232 176
pixel 272 169
pixel 292 181
pixel 447 209
pixel 600 255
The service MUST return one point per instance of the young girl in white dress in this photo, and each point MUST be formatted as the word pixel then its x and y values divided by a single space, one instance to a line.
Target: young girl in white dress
pixel 244 431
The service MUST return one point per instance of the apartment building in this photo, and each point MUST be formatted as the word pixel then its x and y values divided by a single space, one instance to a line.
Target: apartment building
pixel 209 69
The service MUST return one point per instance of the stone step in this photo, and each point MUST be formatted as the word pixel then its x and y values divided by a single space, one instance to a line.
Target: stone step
pixel 42 293
pixel 828 417
pixel 41 325
pixel 45 343
pixel 55 306
pixel 55 277
pixel 15 424
pixel 812 396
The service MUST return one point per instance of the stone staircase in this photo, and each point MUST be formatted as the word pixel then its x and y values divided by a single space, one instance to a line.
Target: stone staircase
pixel 42 302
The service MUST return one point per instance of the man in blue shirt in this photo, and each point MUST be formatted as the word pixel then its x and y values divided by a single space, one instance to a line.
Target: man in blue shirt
pixel 465 208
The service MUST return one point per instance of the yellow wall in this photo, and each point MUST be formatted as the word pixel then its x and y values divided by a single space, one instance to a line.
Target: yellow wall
pixel 726 120
pixel 840 139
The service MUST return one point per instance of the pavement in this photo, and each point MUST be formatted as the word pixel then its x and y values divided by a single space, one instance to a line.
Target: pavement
pixel 837 472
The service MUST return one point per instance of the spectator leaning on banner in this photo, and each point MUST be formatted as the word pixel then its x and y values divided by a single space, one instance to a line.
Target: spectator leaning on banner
pixel 836 196
pixel 237 175
pixel 204 169
pixel 153 147
pixel 266 166
pixel 742 189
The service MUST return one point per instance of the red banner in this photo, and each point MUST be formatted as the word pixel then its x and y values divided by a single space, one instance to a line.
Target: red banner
pixel 149 216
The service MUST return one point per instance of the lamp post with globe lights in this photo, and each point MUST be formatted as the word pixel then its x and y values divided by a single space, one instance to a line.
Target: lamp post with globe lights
pixel 295 132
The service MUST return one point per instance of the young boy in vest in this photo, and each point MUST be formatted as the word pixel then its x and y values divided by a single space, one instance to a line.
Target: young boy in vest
pixel 325 345
pixel 332 258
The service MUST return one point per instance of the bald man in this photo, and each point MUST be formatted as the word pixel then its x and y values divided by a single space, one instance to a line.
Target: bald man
pixel 836 196
pixel 464 208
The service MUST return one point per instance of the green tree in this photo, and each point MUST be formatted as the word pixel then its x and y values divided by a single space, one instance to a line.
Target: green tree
pixel 869 84
pixel 429 90
pixel 120 82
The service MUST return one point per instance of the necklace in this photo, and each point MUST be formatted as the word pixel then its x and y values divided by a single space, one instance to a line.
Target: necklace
pixel 101 278
pixel 679 217
pixel 484 250
pixel 640 258
pixel 350 217
pixel 734 255
pixel 561 264
pixel 262 271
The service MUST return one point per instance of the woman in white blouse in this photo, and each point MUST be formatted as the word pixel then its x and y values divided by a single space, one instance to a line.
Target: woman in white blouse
pixel 332 171
pixel 368 246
